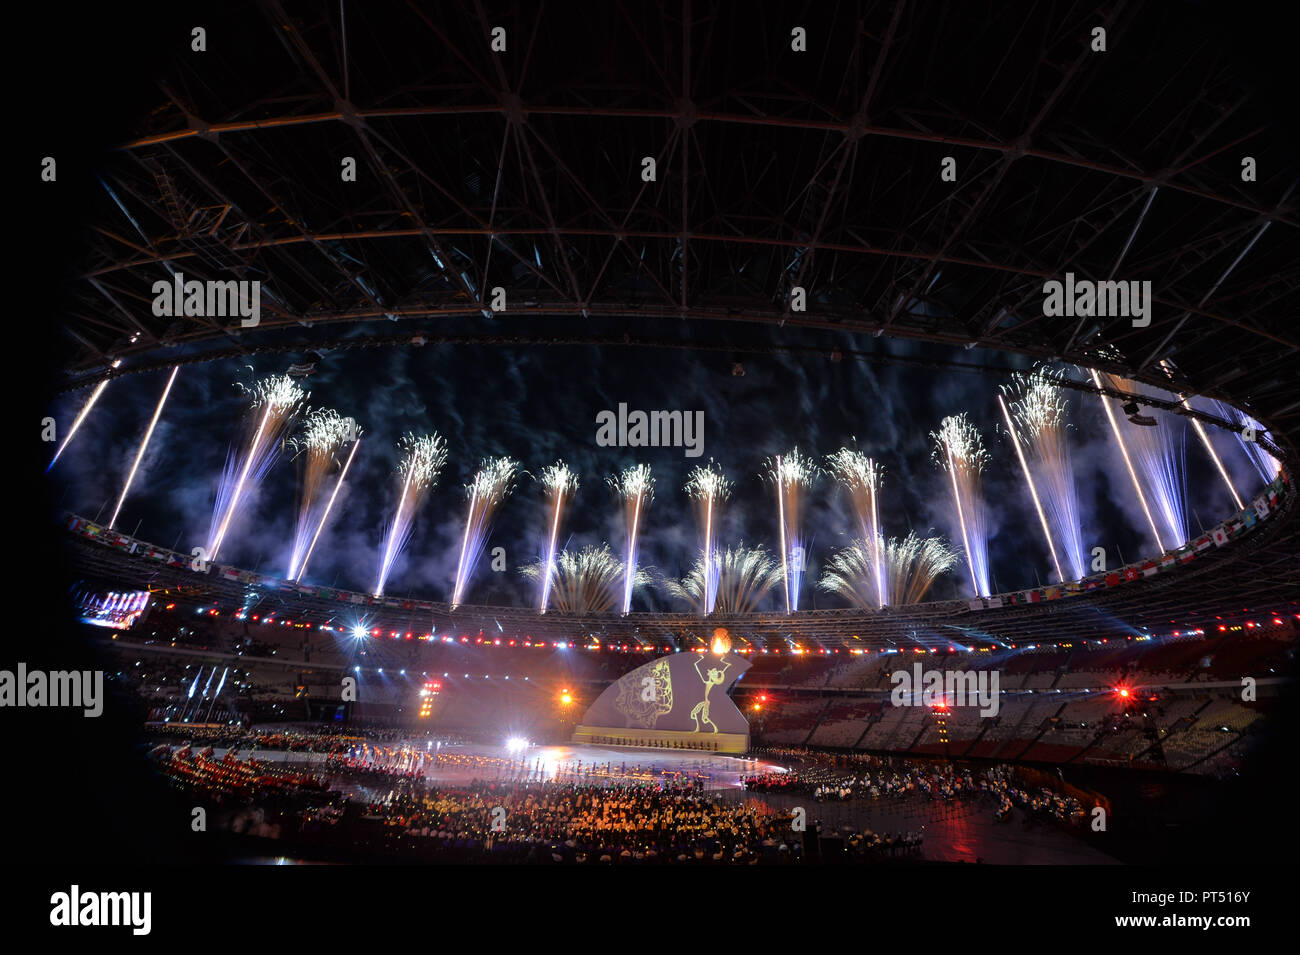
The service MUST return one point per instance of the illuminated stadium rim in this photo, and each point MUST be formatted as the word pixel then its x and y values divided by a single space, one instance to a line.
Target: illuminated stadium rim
pixel 1106 612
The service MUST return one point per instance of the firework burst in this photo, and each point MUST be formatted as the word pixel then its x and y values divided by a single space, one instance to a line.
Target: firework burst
pixel 708 487
pixel 1036 414
pixel 861 477
pixel 910 566
pixel 487 491
pixel 560 484
pixel 273 403
pixel 587 582
pixel 422 460
pixel 635 487
pixel 325 432
pixel 791 474
pixel 742 576
pixel 959 451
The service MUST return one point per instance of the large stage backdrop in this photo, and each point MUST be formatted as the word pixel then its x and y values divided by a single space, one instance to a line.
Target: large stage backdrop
pixel 675 702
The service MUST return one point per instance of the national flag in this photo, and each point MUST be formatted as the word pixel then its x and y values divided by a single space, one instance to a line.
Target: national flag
pixel 1148 568
pixel 1168 560
pixel 1053 593
pixel 230 573
pixel 1248 518
pixel 1201 543
pixel 1112 579
pixel 1187 556
pixel 1131 573
pixel 1219 535
pixel 1261 506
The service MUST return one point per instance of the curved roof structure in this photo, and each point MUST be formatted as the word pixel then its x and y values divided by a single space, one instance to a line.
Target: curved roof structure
pixel 523 170
pixel 1158 160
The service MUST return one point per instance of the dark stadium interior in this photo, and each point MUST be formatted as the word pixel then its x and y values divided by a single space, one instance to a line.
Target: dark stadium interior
pixel 777 171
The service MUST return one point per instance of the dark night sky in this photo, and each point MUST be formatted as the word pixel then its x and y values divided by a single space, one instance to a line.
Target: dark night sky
pixel 540 403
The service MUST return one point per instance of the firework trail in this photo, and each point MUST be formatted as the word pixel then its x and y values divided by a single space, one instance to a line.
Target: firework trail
pixel 329 505
pixel 144 444
pixel 636 488
pixel 274 402
pixel 861 477
pixel 1205 438
pixel 1035 413
pixel 421 463
pixel 1152 452
pixel 560 484
pixel 911 566
pixel 489 488
pixel 708 487
pixel 960 452
pixel 742 577
pixel 324 435
pixel 76 422
pixel 791 474
pixel 586 582
pixel 1264 463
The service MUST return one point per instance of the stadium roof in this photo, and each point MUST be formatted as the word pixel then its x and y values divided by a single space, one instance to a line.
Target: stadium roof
pixel 775 169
